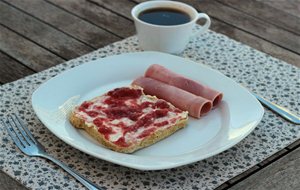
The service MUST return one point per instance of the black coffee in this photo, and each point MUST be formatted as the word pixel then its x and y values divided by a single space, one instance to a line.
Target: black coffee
pixel 164 16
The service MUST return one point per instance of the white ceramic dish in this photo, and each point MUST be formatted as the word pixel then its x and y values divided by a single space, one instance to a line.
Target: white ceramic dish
pixel 222 128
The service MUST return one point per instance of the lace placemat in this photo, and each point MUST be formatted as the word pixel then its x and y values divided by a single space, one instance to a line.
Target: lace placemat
pixel 261 73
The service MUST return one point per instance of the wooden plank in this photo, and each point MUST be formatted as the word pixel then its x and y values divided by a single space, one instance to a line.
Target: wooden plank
pixel 282 174
pixel 273 158
pixel 222 187
pixel 290 6
pixel 294 145
pixel 122 7
pixel 266 12
pixel 255 42
pixel 25 51
pixel 247 23
pixel 243 175
pixel 11 70
pixel 41 33
pixel 98 16
pixel 9 183
pixel 70 24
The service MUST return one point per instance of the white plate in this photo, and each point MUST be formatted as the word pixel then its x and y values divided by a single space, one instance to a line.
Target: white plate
pixel 222 128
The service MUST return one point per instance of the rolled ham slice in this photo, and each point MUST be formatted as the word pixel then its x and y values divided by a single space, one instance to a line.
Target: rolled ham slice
pixel 195 105
pixel 163 74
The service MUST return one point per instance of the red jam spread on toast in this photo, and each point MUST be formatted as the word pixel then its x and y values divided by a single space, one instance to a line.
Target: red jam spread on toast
pixel 125 115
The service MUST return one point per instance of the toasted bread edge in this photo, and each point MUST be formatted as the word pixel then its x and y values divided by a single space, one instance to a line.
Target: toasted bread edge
pixel 153 138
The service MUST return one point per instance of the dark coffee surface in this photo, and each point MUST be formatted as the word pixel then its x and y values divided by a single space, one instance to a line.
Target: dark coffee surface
pixel 164 16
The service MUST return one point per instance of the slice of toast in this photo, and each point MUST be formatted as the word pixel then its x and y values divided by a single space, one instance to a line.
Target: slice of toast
pixel 125 119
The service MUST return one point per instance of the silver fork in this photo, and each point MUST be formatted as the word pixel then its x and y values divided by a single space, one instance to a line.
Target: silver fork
pixel 31 147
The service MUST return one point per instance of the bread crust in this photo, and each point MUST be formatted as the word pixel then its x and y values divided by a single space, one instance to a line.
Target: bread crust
pixel 147 141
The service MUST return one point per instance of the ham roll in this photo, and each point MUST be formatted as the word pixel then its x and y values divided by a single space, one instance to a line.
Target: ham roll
pixel 195 105
pixel 163 74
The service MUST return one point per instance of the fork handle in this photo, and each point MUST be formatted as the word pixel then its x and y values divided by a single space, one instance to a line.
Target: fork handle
pixel 87 183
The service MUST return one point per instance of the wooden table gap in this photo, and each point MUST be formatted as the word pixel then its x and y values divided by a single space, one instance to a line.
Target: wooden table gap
pixel 49 24
pixel 256 10
pixel 41 34
pixel 36 57
pixel 91 14
pixel 109 5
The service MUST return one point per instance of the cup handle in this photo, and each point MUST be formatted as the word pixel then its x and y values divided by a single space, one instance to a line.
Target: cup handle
pixel 204 27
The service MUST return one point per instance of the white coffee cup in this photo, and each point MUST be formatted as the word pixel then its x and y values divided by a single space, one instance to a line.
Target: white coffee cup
pixel 170 39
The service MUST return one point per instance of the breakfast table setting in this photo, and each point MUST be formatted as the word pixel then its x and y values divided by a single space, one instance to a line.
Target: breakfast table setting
pixel 58 55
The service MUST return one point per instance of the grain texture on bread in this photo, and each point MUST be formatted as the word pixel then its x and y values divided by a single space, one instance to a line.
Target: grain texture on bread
pixel 139 137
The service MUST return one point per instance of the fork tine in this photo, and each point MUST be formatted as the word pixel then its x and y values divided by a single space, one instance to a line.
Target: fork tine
pixel 19 132
pixel 17 141
pixel 20 124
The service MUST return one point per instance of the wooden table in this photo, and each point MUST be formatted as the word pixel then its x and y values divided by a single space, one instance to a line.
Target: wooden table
pixel 37 34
